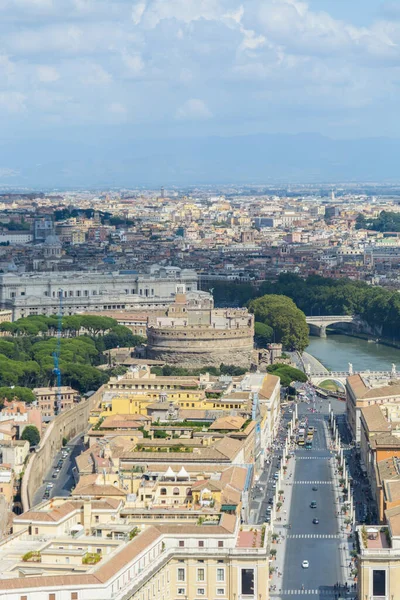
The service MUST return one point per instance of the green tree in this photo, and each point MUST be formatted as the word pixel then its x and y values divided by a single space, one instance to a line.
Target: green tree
pixel 282 315
pixel 286 373
pixel 263 334
pixel 31 433
pixel 19 393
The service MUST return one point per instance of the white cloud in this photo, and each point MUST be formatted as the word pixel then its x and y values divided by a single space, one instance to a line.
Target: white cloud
pixel 12 102
pixel 138 11
pixel 95 75
pixel 133 62
pixel 117 108
pixel 47 74
pixel 193 109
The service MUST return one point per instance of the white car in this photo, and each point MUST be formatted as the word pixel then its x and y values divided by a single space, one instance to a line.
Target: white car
pixel 305 564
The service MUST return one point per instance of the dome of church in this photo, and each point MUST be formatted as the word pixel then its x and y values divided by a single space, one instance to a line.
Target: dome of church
pixel 52 240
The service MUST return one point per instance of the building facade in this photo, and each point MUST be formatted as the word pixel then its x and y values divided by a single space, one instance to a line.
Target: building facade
pixel 38 294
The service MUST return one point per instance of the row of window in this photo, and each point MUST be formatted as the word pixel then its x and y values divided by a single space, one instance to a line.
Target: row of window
pixel 181 543
pixel 74 596
pixel 202 592
pixel 201 574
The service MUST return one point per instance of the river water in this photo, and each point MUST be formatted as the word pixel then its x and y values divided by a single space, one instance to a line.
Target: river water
pixel 336 351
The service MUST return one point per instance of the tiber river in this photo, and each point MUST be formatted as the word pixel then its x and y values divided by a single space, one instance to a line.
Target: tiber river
pixel 336 351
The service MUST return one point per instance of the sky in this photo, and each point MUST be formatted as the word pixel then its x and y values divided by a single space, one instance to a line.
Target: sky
pixel 90 73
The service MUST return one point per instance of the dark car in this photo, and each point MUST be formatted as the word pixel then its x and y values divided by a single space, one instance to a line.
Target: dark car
pixel 313 504
pixel 60 464
pixel 314 489
pixel 315 521
pixel 270 500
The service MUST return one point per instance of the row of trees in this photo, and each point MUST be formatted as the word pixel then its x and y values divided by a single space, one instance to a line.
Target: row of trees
pixel 27 360
pixel 71 325
pixel 378 307
pixel 386 221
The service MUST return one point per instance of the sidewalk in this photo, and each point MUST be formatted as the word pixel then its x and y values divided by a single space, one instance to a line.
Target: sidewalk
pixel 346 543
pixel 279 527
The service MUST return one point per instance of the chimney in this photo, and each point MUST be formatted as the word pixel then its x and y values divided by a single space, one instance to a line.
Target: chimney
pixel 87 515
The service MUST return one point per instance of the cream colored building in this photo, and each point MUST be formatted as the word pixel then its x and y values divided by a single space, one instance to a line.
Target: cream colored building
pixel 361 393
pixel 379 559
pixel 62 550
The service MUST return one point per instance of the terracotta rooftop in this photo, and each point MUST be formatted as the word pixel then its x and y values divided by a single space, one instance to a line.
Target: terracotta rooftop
pixel 393 519
pixel 269 384
pixel 375 419
pixel 363 392
pixel 228 423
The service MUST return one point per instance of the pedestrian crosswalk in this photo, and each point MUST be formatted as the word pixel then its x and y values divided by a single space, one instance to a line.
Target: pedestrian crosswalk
pixel 313 457
pixel 310 483
pixel 319 536
pixel 326 593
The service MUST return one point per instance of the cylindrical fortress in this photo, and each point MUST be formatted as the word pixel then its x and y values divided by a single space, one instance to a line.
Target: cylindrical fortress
pixel 198 346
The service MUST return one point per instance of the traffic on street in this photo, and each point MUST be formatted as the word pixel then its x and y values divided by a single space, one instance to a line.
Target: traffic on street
pixel 310 542
pixel 60 478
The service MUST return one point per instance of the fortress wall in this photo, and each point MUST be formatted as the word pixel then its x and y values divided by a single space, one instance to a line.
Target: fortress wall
pixel 68 424
pixel 197 347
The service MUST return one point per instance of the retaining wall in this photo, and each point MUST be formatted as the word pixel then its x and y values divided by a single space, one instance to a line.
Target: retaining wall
pixel 66 425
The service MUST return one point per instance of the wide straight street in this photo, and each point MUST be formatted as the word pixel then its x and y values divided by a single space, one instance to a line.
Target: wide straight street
pixel 310 479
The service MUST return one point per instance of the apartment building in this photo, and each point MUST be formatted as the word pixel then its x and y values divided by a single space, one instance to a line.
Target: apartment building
pixel 63 550
pixel 47 398
pixel 379 559
pixel 361 393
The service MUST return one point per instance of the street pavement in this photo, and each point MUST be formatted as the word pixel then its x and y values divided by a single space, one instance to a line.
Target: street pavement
pixel 260 497
pixel 323 544
pixel 65 480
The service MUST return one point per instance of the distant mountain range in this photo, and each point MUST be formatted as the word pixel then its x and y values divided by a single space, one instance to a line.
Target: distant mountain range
pixel 258 159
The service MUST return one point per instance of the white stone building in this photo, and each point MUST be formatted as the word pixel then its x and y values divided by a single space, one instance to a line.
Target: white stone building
pixel 38 294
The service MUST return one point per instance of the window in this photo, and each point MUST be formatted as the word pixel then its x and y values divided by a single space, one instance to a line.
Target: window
pixel 181 574
pixel 220 591
pixel 378 582
pixel 248 582
pixel 181 591
pixel 201 544
pixel 220 574
pixel 220 544
pixel 74 595
pixel 175 491
pixel 163 492
pixel 201 575
pixel 201 591
pixel 181 543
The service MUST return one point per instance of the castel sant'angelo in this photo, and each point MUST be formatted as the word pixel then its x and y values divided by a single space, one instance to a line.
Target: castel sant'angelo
pixel 194 333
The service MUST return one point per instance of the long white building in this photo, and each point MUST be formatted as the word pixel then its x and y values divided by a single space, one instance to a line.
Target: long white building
pixel 38 294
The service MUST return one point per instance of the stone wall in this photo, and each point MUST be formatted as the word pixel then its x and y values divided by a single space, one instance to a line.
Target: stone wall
pixel 201 347
pixel 68 424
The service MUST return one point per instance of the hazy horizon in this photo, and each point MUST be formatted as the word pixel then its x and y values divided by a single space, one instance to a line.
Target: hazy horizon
pixel 94 92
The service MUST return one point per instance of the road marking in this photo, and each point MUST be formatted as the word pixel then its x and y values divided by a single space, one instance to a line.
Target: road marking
pixel 295 592
pixel 311 483
pixel 324 536
pixel 327 457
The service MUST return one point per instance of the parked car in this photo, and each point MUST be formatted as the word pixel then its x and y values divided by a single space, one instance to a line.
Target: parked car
pixel 313 504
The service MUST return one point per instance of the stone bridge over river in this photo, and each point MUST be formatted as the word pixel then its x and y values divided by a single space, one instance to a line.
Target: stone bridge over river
pixel 320 323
